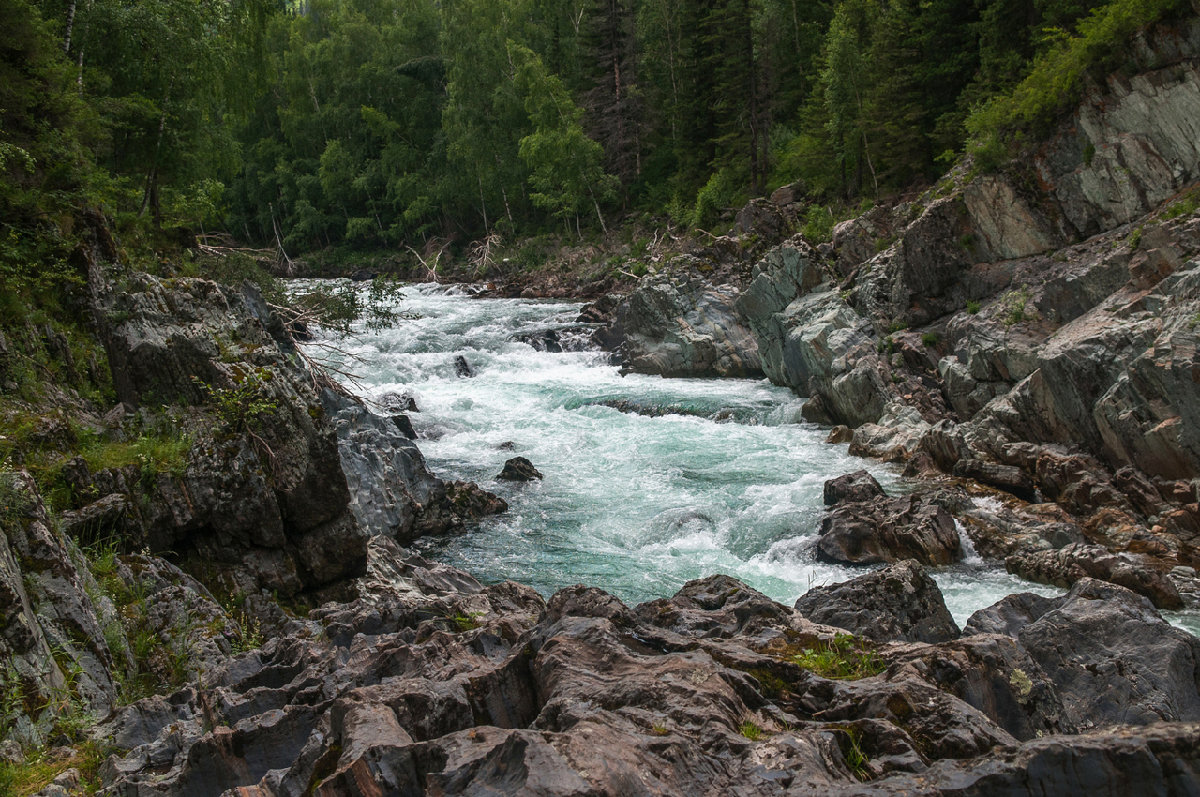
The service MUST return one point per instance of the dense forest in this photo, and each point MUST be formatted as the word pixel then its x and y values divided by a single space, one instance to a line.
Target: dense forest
pixel 394 123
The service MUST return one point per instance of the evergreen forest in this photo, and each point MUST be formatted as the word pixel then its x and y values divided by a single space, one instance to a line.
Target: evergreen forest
pixel 403 124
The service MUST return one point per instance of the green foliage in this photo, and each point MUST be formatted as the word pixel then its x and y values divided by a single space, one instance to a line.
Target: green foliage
pixel 973 306
pixel 1184 206
pixel 852 753
pixel 751 731
pixel 818 224
pixel 244 406
pixel 1056 80
pixel 930 339
pixel 717 196
pixel 340 305
pixel 1015 304
pixel 466 622
pixel 844 657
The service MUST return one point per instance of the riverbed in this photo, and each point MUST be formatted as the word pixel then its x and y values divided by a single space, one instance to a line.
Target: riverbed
pixel 648 482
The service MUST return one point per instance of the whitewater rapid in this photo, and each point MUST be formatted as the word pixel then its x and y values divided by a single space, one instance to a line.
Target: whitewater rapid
pixel 711 476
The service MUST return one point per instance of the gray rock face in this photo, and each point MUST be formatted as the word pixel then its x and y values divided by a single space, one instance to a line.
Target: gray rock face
pixel 899 602
pixel 46 609
pixel 677 325
pixel 384 470
pixel 1116 380
pixel 262 501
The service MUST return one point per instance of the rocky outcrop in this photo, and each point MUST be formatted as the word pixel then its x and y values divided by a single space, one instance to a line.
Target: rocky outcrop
pixel 899 602
pixel 1111 656
pixel 430 681
pixel 881 529
pixel 52 637
pixel 676 324
pixel 261 501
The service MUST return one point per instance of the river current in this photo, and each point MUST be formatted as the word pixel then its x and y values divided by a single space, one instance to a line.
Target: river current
pixel 648 482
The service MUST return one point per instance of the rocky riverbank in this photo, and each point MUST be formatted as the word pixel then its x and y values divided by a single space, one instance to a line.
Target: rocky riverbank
pixel 225 605
pixel 1028 336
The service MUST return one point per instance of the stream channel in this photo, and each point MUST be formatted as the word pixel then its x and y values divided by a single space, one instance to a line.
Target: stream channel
pixel 649 482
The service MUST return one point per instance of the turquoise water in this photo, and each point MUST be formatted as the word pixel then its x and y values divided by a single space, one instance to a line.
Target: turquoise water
pixel 633 504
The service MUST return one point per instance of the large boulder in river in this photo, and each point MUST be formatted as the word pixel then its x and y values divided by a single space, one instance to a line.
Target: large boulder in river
pixel 677 324
pixel 857 486
pixel 884 530
pixel 899 602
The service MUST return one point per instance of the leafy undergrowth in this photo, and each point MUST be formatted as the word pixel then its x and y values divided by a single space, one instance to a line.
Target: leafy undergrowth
pixel 40 767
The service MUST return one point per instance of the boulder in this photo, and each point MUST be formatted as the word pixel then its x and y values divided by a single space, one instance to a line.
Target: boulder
pixel 1114 660
pixel 899 602
pixel 678 324
pixel 519 469
pixel 854 487
pixel 890 530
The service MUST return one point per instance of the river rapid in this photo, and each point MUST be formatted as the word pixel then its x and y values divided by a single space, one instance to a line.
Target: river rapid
pixel 649 482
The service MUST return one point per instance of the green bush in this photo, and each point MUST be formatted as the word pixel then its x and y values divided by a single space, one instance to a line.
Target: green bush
pixel 818 224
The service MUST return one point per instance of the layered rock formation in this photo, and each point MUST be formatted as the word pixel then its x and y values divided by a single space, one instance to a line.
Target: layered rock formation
pixel 1033 330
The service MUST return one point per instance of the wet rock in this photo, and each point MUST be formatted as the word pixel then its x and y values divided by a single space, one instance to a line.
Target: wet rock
pixel 1068 565
pixel 396 403
pixel 857 486
pixel 677 324
pixel 839 434
pixel 899 602
pixel 462 368
pixel 1004 477
pixel 889 530
pixel 519 469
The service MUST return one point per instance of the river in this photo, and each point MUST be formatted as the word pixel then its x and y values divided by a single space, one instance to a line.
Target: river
pixel 711 476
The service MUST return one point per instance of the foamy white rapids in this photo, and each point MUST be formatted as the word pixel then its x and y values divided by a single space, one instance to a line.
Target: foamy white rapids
pixel 722 476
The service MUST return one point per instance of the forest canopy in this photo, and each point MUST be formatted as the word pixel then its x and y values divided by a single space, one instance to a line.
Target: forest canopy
pixel 391 123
